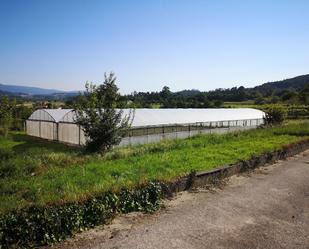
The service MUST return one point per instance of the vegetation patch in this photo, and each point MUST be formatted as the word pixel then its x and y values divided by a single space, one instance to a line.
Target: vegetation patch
pixel 293 111
pixel 49 191
pixel 34 226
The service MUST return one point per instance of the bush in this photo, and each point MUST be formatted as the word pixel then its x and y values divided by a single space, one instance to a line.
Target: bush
pixel 6 114
pixel 34 226
pixel 96 113
pixel 275 115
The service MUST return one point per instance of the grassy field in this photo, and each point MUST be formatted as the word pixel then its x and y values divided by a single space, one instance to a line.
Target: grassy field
pixel 37 172
pixel 293 111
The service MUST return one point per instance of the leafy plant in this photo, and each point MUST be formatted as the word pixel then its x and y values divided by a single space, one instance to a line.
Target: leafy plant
pixel 6 114
pixel 39 225
pixel 275 115
pixel 96 112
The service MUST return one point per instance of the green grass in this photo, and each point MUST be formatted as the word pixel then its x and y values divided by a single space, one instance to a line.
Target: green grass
pixel 37 172
pixel 293 111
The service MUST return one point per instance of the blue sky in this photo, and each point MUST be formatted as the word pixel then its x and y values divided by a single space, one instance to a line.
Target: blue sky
pixel 148 44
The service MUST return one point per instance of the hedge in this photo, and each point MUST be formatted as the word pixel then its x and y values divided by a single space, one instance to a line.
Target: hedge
pixel 35 226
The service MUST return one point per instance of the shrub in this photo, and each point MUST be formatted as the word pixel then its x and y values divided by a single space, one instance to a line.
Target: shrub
pixel 35 226
pixel 6 114
pixel 96 113
pixel 275 115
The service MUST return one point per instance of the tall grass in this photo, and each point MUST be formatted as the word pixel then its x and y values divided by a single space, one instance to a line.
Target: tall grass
pixel 34 171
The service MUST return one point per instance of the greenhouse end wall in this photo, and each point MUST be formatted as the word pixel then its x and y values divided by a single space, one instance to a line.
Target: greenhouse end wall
pixel 42 129
pixel 33 128
pixel 69 133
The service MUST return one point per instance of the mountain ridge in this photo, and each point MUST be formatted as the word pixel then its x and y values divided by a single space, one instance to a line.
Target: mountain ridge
pixel 295 83
pixel 29 90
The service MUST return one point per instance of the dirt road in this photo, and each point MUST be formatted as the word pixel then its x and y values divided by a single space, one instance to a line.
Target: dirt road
pixel 265 209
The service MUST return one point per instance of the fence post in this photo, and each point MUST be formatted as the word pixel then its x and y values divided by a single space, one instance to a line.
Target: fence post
pixel 78 134
pixel 57 132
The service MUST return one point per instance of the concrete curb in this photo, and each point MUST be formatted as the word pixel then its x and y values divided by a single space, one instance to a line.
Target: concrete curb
pixel 198 179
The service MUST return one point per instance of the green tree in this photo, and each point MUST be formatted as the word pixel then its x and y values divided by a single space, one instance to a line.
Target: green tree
pixel 275 115
pixel 218 103
pixel 6 114
pixel 165 92
pixel 304 95
pixel 21 112
pixel 96 113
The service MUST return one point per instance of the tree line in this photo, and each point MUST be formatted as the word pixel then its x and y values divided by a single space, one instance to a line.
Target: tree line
pixel 214 99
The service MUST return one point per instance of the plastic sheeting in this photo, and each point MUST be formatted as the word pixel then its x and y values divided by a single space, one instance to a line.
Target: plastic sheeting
pixel 43 129
pixel 69 133
pixel 52 115
pixel 157 117
pixel 149 125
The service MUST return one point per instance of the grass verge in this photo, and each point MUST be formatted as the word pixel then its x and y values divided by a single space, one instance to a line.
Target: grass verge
pixel 37 172
pixel 36 176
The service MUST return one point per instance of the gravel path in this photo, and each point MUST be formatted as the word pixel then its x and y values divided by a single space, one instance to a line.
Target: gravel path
pixel 265 209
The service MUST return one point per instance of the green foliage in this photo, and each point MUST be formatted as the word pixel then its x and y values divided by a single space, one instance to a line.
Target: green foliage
pixel 304 95
pixel 102 123
pixel 275 115
pixel 6 114
pixel 129 176
pixel 49 191
pixel 297 129
pixel 36 172
pixel 35 226
pixel 21 112
pixel 293 111
pixel 289 91
pixel 12 115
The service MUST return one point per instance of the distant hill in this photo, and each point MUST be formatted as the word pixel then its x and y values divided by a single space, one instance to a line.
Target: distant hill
pixel 296 83
pixel 35 93
pixel 27 90
pixel 3 93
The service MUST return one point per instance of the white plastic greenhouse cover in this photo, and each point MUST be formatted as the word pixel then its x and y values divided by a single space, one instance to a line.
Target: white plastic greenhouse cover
pixel 53 115
pixel 157 117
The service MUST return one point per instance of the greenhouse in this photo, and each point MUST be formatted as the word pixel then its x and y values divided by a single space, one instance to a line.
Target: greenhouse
pixel 149 125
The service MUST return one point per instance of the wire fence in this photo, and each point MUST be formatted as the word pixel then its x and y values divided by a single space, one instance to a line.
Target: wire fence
pixel 149 130
pixel 149 134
